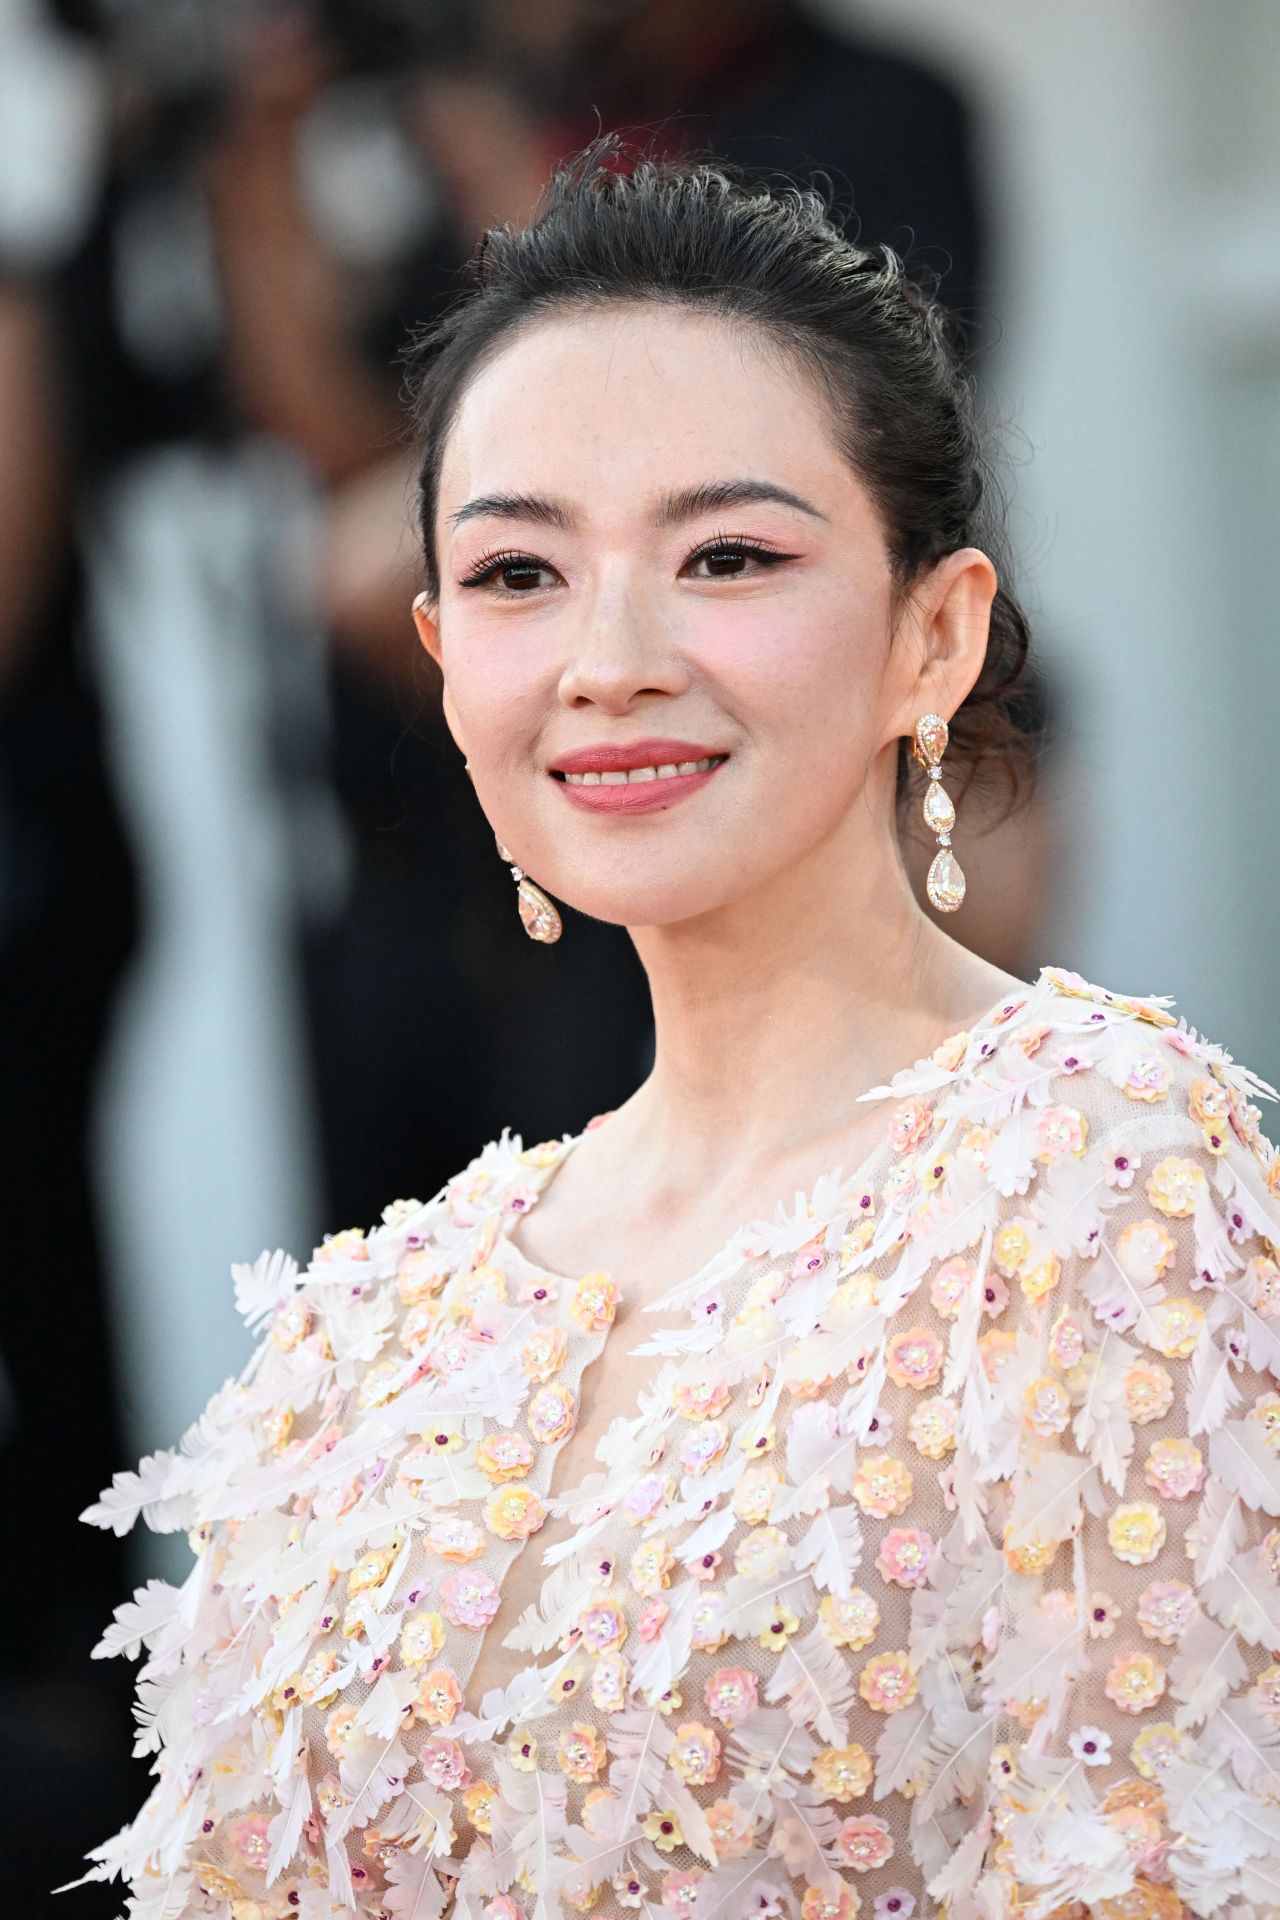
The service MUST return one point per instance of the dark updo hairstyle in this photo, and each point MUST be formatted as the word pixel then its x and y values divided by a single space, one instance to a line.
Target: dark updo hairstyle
pixel 881 348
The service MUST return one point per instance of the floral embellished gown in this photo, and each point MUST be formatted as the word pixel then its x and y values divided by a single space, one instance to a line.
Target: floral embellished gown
pixel 939 1574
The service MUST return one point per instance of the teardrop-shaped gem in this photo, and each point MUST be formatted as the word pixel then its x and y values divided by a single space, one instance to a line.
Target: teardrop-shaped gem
pixel 939 808
pixel 946 881
pixel 932 734
pixel 540 919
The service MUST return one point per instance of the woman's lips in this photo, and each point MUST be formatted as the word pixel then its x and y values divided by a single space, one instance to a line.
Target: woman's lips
pixel 636 796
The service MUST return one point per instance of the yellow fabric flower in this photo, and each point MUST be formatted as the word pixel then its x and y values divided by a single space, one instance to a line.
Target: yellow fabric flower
pixel 504 1456
pixel 888 1683
pixel 439 1697
pixel 1032 1556
pixel 1011 1245
pixel 419 1275
pixel 914 1359
pixel 514 1513
pixel 372 1568
pixel 663 1828
pixel 996 1349
pixel 544 1353
pixel 1046 1406
pixel 850 1622
pixel 421 1639
pixel 830 1902
pixel 696 1754
pixel 477 1289
pixel 1136 1532
pixel 1145 1249
pixel 650 1568
pixel 701 1396
pixel 782 1624
pixel 882 1485
pixel 1179 1323
pixel 380 1384
pixel 1173 1185
pixel 755 1493
pixel 932 1428
pixel 543 1153
pixel 1266 1412
pixel 1060 1131
pixel 842 1773
pixel 1148 1391
pixel 552 1414
pixel 478 1800
pixel 1156 1746
pixel 1135 1682
pixel 594 1301
pixel 1041 1278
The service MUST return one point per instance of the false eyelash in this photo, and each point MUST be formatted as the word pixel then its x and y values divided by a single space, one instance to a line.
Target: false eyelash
pixel 738 543
pixel 491 563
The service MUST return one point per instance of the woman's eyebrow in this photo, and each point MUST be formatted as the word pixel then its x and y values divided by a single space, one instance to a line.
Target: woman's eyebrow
pixel 672 509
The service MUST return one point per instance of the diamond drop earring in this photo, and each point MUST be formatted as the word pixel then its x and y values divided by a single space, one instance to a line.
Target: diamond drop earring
pixel 538 915
pixel 945 884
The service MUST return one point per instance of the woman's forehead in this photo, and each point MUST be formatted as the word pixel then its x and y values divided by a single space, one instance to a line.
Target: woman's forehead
pixel 632 404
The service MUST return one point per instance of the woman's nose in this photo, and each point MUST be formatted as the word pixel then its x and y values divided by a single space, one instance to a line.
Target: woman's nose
pixel 622 650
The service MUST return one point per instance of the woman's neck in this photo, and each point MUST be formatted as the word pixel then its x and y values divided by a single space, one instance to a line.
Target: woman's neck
pixel 773 1013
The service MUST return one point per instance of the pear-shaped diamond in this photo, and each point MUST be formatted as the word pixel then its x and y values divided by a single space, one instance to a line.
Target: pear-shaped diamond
pixel 946 881
pixel 931 739
pixel 541 921
pixel 939 809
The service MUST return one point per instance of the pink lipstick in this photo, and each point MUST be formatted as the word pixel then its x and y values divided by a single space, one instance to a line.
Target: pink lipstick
pixel 635 776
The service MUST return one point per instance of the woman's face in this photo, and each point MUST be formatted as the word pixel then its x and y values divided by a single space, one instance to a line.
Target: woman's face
pixel 648 539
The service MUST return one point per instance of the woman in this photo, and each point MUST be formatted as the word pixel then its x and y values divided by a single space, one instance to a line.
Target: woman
pixel 917 1555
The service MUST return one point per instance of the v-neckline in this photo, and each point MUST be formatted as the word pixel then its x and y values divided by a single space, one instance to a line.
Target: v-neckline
pixel 683 1291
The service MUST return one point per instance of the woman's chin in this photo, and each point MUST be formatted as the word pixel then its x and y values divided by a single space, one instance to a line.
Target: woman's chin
pixel 638 904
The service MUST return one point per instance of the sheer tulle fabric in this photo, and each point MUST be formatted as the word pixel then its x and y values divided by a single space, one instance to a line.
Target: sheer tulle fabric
pixel 939 1574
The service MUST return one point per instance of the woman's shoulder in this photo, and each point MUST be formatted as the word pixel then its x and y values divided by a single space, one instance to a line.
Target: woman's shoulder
pixel 1068 1108
pixel 1081 1063
pixel 347 1322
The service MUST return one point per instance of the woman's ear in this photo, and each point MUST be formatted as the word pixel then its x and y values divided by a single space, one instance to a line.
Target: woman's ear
pixel 950 618
pixel 428 627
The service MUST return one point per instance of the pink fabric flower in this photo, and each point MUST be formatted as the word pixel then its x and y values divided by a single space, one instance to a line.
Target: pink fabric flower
pixel 652 1620
pixel 444 1764
pixel 1060 1131
pixel 469 1598
pixel 909 1123
pixel 731 1695
pixel 863 1842
pixel 1175 1467
pixel 903 1559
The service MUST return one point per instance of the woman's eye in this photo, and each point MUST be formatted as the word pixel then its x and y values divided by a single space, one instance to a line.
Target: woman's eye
pixel 728 559
pixel 516 573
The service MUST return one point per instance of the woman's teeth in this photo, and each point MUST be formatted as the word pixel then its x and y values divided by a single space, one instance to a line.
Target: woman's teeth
pixel 666 772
